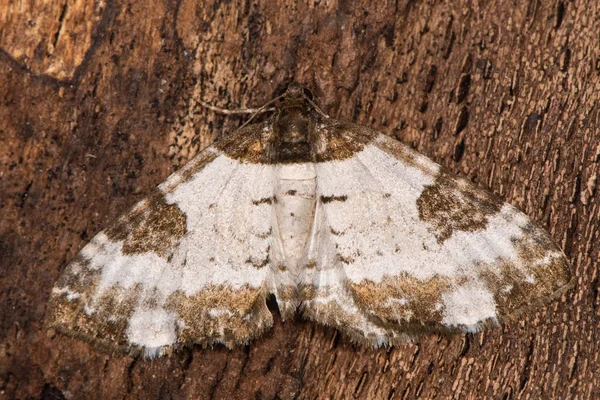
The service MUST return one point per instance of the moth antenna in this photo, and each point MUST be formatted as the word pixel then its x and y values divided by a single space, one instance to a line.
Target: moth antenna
pixel 262 109
pixel 253 111
pixel 317 109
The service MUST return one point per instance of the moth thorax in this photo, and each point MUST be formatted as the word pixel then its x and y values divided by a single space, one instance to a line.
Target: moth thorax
pixel 293 128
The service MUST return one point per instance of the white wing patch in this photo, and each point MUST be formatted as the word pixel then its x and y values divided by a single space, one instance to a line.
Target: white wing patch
pixel 227 232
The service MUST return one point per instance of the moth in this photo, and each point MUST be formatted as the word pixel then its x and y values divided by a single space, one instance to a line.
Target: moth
pixel 338 222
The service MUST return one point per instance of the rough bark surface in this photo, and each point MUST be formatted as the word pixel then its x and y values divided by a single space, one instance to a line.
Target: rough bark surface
pixel 100 103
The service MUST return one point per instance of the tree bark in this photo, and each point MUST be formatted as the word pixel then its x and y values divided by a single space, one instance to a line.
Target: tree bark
pixel 100 103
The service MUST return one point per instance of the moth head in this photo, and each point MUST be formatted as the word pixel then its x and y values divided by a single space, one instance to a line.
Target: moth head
pixel 297 91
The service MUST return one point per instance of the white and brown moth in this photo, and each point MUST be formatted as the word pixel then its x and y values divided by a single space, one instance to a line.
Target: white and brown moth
pixel 343 224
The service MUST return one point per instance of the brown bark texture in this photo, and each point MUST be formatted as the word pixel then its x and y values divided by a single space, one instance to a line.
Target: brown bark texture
pixel 100 102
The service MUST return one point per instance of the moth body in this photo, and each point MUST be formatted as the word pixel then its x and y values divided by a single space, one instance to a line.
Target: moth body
pixel 295 209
